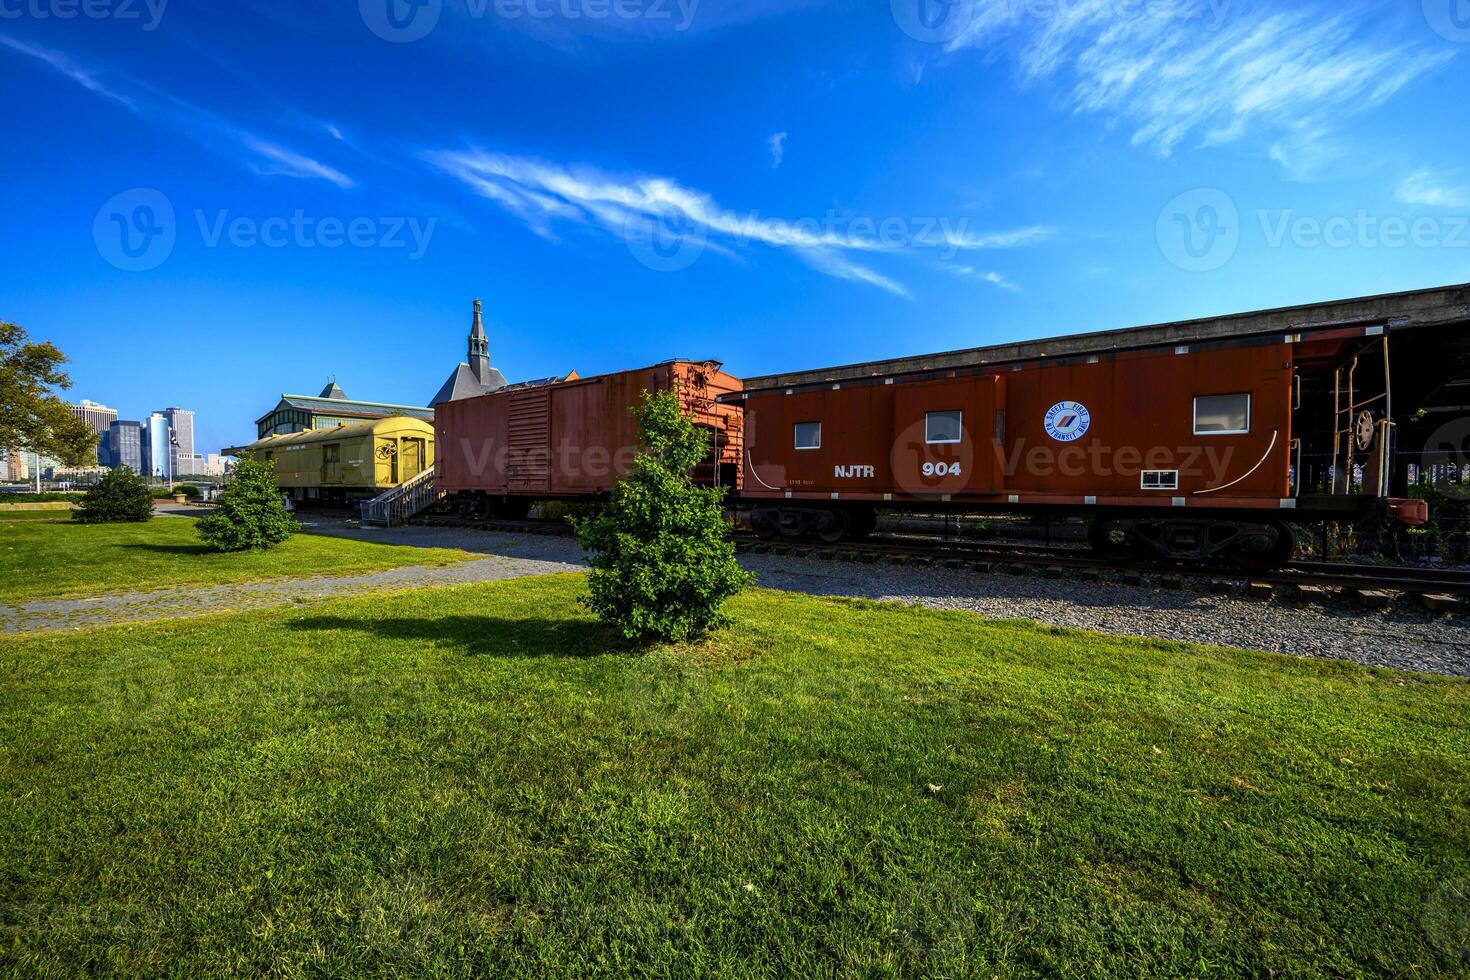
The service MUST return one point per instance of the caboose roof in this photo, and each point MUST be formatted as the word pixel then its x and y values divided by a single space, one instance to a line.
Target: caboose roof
pixel 1416 308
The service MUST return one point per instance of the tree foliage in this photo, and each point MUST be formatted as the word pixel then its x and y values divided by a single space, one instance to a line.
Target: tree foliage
pixel 119 497
pixel 662 566
pixel 32 415
pixel 250 513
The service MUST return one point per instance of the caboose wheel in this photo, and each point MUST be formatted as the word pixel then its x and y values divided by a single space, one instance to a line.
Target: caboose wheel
pixel 762 526
pixel 1114 540
pixel 832 528
pixel 1264 548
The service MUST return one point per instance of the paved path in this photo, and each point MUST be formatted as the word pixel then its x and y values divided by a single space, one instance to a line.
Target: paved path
pixel 506 556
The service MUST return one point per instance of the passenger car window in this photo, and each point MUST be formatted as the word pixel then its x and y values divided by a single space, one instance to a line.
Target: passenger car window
pixel 808 435
pixel 943 427
pixel 1222 415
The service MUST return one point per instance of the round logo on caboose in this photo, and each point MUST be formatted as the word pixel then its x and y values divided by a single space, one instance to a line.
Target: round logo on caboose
pixel 1067 421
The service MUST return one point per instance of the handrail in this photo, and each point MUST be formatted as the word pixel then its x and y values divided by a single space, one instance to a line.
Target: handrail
pixel 397 504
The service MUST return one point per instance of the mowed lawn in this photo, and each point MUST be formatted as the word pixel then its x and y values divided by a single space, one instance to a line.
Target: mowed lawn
pixel 475 779
pixel 46 555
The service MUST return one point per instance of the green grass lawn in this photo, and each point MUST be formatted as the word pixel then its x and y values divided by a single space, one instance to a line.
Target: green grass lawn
pixel 476 779
pixel 46 555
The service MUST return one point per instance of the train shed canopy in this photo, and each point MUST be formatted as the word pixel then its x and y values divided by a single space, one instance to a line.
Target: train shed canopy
pixel 1436 307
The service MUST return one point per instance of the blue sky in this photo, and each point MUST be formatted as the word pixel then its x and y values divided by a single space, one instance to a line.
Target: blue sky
pixel 206 204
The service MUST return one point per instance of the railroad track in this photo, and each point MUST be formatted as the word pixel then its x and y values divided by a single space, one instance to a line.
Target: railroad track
pixel 1373 586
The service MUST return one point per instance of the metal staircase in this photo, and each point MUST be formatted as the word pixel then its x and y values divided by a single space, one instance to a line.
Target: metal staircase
pixel 397 504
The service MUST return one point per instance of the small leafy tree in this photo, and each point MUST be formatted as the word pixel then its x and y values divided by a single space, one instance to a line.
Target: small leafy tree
pixel 662 565
pixel 32 415
pixel 250 513
pixel 189 490
pixel 119 497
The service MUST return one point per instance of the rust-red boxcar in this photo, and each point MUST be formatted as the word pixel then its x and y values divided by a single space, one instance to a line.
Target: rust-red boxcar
pixel 575 438
pixel 1181 430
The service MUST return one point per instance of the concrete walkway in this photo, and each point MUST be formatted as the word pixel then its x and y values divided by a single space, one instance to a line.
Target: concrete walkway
pixel 506 557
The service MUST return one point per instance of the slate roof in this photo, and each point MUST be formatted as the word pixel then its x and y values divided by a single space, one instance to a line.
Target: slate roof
pixel 462 383
pixel 342 406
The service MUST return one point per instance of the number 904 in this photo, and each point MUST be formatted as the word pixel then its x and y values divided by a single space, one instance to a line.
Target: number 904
pixel 941 469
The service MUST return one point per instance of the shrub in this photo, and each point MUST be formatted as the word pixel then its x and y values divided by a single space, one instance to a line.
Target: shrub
pixel 119 497
pixel 250 512
pixel 662 566
pixel 189 490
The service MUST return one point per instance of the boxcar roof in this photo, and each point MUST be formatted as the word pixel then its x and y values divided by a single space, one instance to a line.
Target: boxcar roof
pixel 1417 308
pixel 331 433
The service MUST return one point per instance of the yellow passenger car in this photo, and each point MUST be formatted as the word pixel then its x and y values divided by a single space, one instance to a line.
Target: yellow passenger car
pixel 348 462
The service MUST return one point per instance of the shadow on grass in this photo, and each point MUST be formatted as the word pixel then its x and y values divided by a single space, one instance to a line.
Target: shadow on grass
pixel 173 549
pixel 484 635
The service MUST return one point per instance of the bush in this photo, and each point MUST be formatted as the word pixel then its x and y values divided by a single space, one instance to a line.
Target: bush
pixel 189 490
pixel 250 513
pixel 662 565
pixel 119 497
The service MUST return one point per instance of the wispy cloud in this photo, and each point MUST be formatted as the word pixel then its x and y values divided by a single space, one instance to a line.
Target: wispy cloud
pixel 284 161
pixel 1430 189
pixel 69 68
pixel 991 278
pixel 1204 70
pixel 203 126
pixel 777 144
pixel 542 194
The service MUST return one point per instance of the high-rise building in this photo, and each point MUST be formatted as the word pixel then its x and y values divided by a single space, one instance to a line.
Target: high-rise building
pixel 99 417
pixel 181 425
pixel 125 445
pixel 157 463
pixel 16 469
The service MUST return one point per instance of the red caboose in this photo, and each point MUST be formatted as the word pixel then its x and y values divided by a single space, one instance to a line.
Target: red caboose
pixel 1187 440
pixel 572 438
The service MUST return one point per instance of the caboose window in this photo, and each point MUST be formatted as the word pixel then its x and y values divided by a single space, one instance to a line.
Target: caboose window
pixel 942 427
pixel 808 435
pixel 1222 415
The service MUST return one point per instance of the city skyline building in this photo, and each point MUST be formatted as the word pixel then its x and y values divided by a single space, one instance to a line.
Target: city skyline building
pixel 181 437
pixel 100 418
pixel 125 445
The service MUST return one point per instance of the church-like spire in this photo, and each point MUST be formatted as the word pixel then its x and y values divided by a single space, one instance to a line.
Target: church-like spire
pixel 479 347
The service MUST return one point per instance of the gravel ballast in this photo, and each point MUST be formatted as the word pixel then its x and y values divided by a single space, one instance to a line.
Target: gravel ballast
pixel 1402 636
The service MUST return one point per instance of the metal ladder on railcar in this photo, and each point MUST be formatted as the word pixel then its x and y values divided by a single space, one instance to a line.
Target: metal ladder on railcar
pixel 397 504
